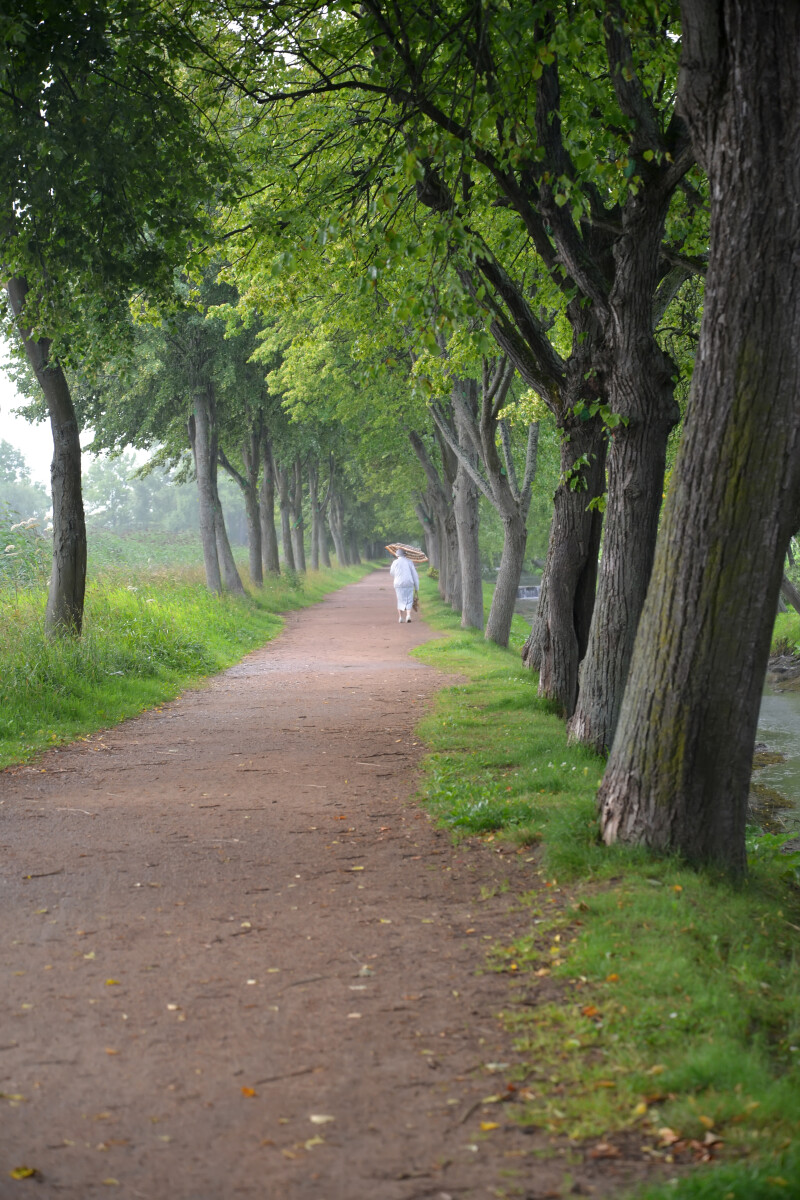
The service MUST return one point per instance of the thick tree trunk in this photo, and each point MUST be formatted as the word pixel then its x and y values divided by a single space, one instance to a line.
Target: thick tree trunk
pixel 282 476
pixel 203 442
pixel 269 536
pixel 640 391
pixel 298 526
pixel 353 555
pixel 679 770
pixel 467 519
pixel 560 632
pixel 501 613
pixel 230 574
pixel 65 598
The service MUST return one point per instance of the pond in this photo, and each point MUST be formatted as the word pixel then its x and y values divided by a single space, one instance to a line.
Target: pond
pixel 779 730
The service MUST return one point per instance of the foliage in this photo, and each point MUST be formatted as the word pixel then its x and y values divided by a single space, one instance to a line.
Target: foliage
pixel 17 491
pixel 25 552
pixel 696 1052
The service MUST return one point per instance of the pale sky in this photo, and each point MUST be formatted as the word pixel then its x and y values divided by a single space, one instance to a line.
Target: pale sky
pixel 34 442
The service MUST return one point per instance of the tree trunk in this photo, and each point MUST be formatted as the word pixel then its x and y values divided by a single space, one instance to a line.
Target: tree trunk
pixel 269 536
pixel 560 632
pixel 254 536
pixel 335 521
pixel 678 775
pixel 282 475
pixel 65 598
pixel 467 519
pixel 203 443
pixel 298 527
pixel 313 499
pixel 501 613
pixel 248 484
pixel 790 593
pixel 640 391
pixel 354 556
pixel 230 574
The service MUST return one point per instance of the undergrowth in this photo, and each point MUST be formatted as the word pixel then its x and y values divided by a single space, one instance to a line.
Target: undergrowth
pixel 678 1009
pixel 147 634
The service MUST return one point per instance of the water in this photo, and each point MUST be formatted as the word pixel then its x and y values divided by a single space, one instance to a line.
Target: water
pixel 779 728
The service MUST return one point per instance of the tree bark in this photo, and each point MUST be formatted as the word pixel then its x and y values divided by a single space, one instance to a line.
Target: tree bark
pixel 560 632
pixel 678 775
pixel 202 439
pixel 790 593
pixel 336 526
pixel 230 575
pixel 466 514
pixel 282 476
pixel 314 504
pixel 248 483
pixel 269 536
pixel 65 598
pixel 298 526
pixel 641 393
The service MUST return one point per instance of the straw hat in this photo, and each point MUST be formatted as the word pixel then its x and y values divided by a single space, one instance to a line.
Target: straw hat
pixel 413 552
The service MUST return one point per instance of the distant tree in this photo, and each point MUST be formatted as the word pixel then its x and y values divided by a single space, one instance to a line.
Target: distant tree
pixel 17 491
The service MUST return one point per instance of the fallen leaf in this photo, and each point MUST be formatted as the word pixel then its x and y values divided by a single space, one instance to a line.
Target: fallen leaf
pixel 111 1182
pixel 487 1125
pixel 640 1110
pixel 589 1010
pixel 314 1141
pixel 113 983
pixel 23 1172
pixel 706 1122
pixel 668 1137
pixel 320 1119
pixel 604 1150
pixel 246 1091
pixel 355 868
pixel 110 1051
pixel 613 978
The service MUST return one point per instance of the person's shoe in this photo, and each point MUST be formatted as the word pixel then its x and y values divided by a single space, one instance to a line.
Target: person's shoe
pixel 400 619
pixel 408 620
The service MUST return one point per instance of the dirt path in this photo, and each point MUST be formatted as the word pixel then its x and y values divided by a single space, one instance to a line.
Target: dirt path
pixel 237 962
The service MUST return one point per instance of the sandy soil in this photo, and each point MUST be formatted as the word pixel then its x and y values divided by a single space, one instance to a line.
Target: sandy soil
pixel 238 961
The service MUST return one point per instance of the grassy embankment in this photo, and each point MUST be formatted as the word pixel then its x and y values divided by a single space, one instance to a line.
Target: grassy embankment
pixel 679 1010
pixel 151 628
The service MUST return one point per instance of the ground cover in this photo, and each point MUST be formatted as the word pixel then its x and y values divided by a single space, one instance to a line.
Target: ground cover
pixel 151 628
pixel 669 1009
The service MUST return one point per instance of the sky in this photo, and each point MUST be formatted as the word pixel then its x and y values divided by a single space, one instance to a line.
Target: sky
pixel 33 441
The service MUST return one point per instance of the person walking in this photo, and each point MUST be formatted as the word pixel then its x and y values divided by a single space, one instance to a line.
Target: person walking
pixel 406 582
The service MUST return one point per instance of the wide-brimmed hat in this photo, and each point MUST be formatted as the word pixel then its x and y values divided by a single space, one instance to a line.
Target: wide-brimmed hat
pixel 412 552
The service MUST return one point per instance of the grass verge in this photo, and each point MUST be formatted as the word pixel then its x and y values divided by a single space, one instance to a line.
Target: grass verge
pixel 146 636
pixel 676 1022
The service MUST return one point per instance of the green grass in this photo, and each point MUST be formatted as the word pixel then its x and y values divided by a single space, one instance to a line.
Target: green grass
pixel 786 633
pixel 148 633
pixel 678 1013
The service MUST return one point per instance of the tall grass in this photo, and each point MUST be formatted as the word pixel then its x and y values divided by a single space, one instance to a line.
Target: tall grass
pixel 147 633
pixel 677 1017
